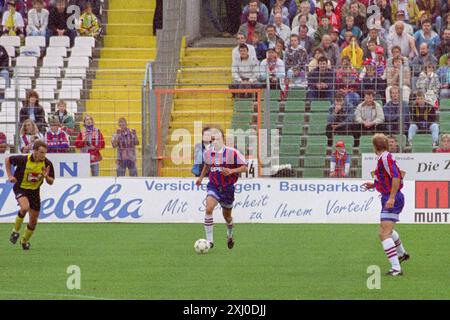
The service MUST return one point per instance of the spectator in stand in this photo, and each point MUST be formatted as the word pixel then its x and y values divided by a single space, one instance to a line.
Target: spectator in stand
pixel 96 5
pixel 340 161
pixel 393 144
pixel 3 143
pixel 429 83
pixel 335 37
pixel 56 139
pixel 33 110
pixel 4 65
pixel 245 70
pixel 259 46
pixel 90 140
pixel 396 51
pixel 282 30
pixel 240 38
pixel 444 45
pixel 29 134
pixel 370 53
pixel 304 39
pixel 295 60
pixel 431 8
pixel 369 117
pixel 421 60
pixel 423 118
pixel 12 22
pixel 393 79
pixel 57 22
pixel 37 19
pixel 320 82
pixel 446 21
pixel 409 29
pixel 252 26
pixel 311 19
pixel 371 80
pixel 314 63
pixel 330 50
pixel 428 36
pixel 410 9
pixel 444 77
pixel 199 151
pixel 64 117
pixel 386 13
pixel 445 144
pixel 347 40
pixel 290 5
pixel 277 9
pixel 125 140
pixel 345 8
pixel 354 53
pixel 89 25
pixel 20 6
pixel 273 67
pixel 350 26
pixel 391 112
pixel 347 82
pixel 403 40
pixel 279 48
pixel 328 11
pixel 340 118
pixel 158 17
pixel 324 29
pixel 272 38
pixel 358 15
pixel 260 9
pixel 373 36
pixel 302 22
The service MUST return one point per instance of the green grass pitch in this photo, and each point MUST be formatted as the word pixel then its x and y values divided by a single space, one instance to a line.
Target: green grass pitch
pixel 158 261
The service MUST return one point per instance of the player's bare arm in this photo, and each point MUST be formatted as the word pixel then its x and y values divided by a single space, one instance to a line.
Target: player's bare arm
pixel 46 174
pixel 368 185
pixel 395 186
pixel 202 175
pixel 11 178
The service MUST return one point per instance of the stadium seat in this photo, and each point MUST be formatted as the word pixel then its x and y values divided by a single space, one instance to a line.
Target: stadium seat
pixel 422 143
pixel 241 106
pixel 60 41
pixel 30 51
pixel 294 118
pixel 296 94
pixel 21 83
pixel 56 52
pixel 11 51
pixel 53 62
pixel 46 93
pixel 51 67
pixel 25 66
pixel 316 145
pixel 72 106
pixel 366 145
pixel 444 127
pixel 46 83
pixel 77 67
pixel 294 106
pixel 9 130
pixel 85 42
pixel 317 123
pixel 47 107
pixel 81 52
pixel 10 41
pixel 2 83
pixel 292 129
pixel 289 148
pixel 444 104
pixel 10 94
pixel 320 105
pixel 35 41
pixel 314 161
pixel 68 93
pixel 292 160
pixel 274 106
pixel 313 173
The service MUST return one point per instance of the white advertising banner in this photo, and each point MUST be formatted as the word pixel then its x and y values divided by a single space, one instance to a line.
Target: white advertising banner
pixel 66 165
pixel 160 200
pixel 418 166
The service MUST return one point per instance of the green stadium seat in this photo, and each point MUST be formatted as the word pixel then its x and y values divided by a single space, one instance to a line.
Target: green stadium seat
pixel 365 145
pixel 317 123
pixel 403 140
pixel 294 118
pixel 314 161
pixel 241 106
pixel 316 145
pixel 289 150
pixel 444 127
pixel 274 107
pixel 293 129
pixel 313 173
pixel 348 140
pixel 320 105
pixel 296 94
pixel 444 104
pixel 290 140
pixel 294 106
pixel 292 160
pixel 274 94
pixel 422 143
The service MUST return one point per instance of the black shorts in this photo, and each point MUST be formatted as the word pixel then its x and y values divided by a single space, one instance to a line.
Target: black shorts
pixel 33 196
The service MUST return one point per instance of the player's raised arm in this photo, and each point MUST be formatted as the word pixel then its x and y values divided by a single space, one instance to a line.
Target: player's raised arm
pixel 11 178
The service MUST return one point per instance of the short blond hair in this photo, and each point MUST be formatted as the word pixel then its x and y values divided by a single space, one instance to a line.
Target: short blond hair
pixel 380 142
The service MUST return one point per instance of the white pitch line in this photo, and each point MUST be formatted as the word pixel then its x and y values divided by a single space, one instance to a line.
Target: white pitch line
pixel 54 295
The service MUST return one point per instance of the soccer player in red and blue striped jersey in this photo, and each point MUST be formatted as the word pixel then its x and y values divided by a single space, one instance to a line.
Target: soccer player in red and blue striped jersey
pixel 389 182
pixel 224 165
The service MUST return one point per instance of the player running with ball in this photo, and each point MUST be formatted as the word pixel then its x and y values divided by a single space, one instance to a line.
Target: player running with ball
pixel 31 170
pixel 224 165
pixel 389 182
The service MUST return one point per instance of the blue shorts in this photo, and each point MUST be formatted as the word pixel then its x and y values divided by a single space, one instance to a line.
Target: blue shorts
pixel 393 213
pixel 225 196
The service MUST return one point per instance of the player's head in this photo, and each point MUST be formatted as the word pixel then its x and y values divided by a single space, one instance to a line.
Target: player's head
pixel 206 135
pixel 217 137
pixel 393 144
pixel 39 150
pixel 380 143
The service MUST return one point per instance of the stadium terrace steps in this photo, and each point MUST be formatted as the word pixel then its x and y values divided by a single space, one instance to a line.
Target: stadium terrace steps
pixel 201 68
pixel 116 90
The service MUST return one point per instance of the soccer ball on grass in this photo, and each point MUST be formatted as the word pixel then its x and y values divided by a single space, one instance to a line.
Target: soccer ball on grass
pixel 201 246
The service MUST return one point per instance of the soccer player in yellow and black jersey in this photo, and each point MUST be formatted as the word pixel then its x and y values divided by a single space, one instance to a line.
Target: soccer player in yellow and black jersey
pixel 31 170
